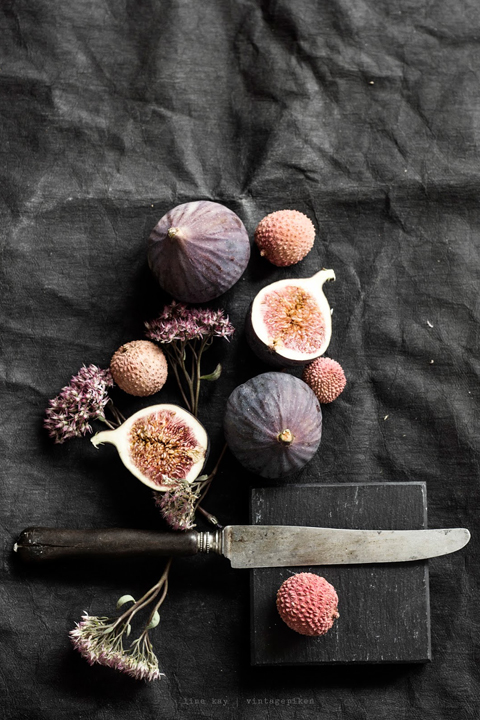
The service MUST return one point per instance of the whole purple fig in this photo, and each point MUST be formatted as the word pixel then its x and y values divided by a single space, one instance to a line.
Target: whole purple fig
pixel 198 250
pixel 273 424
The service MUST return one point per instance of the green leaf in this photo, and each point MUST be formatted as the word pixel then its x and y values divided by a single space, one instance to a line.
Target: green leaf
pixel 214 375
pixel 154 621
pixel 124 599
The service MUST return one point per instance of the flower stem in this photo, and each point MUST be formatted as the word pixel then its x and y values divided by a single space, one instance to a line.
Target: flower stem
pixel 107 422
pixel 211 518
pixel 180 361
pixel 118 417
pixel 164 593
pixel 149 596
pixel 198 373
pixel 177 376
pixel 205 486
pixel 217 465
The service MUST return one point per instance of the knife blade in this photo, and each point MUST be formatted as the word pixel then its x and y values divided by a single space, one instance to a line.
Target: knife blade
pixel 258 546
pixel 246 546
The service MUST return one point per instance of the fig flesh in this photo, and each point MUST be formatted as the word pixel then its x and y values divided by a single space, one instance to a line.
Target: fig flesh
pixel 289 322
pixel 198 250
pixel 158 442
pixel 273 424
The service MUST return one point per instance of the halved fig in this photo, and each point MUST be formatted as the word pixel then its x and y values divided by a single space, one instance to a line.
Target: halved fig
pixel 158 442
pixel 289 322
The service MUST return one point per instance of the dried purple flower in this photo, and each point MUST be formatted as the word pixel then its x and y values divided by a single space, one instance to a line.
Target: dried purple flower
pixel 100 640
pixel 82 400
pixel 177 505
pixel 178 322
pixel 182 330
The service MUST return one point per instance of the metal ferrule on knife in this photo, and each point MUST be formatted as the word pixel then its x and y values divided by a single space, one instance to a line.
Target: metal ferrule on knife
pixel 208 542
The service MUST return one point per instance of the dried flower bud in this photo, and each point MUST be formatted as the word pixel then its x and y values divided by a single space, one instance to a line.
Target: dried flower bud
pixel 82 400
pixel 99 640
pixel 178 322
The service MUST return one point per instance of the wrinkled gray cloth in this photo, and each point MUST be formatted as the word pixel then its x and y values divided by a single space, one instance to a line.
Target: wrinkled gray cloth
pixel 365 116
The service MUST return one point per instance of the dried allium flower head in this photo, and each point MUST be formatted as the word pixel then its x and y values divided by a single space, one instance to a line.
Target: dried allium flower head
pixel 100 640
pixel 82 400
pixel 178 322
pixel 184 331
pixel 177 505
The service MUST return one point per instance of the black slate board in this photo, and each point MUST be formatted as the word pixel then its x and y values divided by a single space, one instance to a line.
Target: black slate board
pixel 384 609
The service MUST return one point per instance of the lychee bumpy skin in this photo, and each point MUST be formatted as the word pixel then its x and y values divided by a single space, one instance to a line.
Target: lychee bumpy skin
pixel 285 237
pixel 326 378
pixel 139 368
pixel 308 604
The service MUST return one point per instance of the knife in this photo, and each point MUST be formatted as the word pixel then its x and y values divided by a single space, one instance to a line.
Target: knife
pixel 246 546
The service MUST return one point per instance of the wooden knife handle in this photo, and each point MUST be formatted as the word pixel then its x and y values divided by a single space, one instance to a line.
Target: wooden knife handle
pixel 39 544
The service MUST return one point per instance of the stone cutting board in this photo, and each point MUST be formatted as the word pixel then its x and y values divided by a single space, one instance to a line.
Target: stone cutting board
pixel 384 609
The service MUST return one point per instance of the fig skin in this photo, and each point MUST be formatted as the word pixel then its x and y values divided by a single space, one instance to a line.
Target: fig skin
pixel 198 251
pixel 273 424
pixel 261 350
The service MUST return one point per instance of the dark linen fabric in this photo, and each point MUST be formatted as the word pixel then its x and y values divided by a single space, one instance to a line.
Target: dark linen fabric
pixel 364 115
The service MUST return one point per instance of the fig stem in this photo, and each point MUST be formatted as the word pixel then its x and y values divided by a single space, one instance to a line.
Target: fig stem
pixel 323 276
pixel 173 232
pixel 285 437
pixel 101 437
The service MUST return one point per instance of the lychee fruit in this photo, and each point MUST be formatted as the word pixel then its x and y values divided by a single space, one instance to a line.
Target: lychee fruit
pixel 139 368
pixel 285 237
pixel 326 378
pixel 308 604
